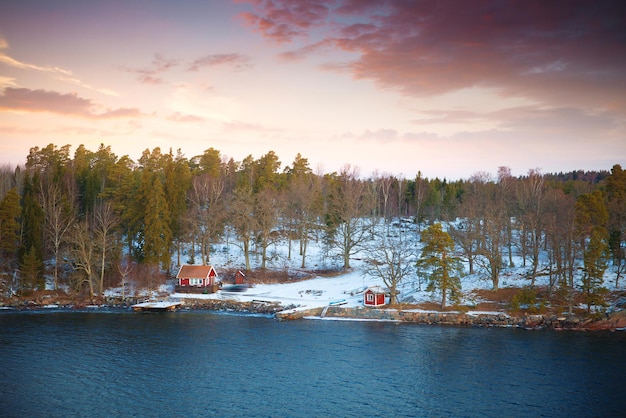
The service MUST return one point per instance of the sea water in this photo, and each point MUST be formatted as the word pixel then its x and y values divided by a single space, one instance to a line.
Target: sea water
pixel 200 364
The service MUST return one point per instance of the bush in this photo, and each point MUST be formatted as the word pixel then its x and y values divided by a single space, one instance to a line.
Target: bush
pixel 526 300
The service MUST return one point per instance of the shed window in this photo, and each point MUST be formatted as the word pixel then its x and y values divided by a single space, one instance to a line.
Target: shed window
pixel 195 282
pixel 370 297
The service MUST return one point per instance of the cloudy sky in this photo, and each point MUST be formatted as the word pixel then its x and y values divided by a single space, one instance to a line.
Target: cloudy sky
pixel 445 87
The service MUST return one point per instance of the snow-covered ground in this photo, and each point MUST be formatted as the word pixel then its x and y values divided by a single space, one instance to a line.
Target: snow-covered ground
pixel 320 291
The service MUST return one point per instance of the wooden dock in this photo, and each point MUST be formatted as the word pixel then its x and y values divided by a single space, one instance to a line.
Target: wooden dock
pixel 156 306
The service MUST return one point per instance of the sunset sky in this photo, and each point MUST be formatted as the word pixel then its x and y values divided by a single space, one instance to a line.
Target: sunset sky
pixel 448 88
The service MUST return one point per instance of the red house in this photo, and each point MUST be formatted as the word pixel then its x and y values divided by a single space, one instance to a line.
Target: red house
pixel 196 276
pixel 374 296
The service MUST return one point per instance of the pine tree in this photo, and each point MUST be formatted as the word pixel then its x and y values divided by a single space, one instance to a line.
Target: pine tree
pixel 177 183
pixel 616 205
pixel 157 234
pixel 10 212
pixel 591 219
pixel 32 226
pixel 30 271
pixel 440 264
pixel 595 264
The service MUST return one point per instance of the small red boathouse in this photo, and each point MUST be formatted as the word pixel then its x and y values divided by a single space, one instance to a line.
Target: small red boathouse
pixel 374 296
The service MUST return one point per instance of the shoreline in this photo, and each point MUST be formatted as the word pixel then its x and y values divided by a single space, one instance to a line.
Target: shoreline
pixel 613 322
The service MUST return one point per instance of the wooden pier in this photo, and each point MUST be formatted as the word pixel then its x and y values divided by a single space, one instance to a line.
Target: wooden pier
pixel 156 306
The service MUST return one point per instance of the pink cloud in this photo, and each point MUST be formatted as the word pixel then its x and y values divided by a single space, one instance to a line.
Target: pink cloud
pixel 150 74
pixel 238 61
pixel 529 118
pixel 26 100
pixel 179 117
pixel 552 52
pixel 284 20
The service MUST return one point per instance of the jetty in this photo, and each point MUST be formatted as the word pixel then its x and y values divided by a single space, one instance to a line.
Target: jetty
pixel 156 306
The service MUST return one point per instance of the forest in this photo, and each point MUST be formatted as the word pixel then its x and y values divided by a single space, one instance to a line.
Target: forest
pixel 85 222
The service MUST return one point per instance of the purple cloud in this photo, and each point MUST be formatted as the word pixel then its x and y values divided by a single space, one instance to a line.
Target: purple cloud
pixel 22 99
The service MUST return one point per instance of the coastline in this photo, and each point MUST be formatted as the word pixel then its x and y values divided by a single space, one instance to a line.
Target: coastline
pixel 613 322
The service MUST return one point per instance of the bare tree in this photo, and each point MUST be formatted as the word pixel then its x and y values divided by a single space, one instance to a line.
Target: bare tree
pixel 506 183
pixel 467 231
pixel 59 217
pixel 105 224
pixel 419 196
pixel 530 198
pixel 492 235
pixel 84 253
pixel 265 215
pixel 125 268
pixel 559 228
pixel 347 212
pixel 207 211
pixel 303 202
pixel 243 220
pixel 391 258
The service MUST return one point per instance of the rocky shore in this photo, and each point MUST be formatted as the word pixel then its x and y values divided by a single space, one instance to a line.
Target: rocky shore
pixel 614 321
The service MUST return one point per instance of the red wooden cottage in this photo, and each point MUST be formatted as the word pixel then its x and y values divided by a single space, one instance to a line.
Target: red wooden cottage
pixel 196 276
pixel 374 296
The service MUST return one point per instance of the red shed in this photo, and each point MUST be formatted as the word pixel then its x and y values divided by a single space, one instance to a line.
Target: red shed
pixel 196 276
pixel 374 296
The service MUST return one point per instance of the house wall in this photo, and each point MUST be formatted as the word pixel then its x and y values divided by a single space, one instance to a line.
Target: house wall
pixel 185 281
pixel 373 299
pixel 380 299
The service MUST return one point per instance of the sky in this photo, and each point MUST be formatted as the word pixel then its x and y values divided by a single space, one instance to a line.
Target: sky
pixel 446 88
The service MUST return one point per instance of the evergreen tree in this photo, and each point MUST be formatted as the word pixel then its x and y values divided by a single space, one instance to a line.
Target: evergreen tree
pixel 10 213
pixel 157 234
pixel 616 205
pixel 177 183
pixel 31 271
pixel 210 162
pixel 32 227
pixel 85 179
pixel 595 264
pixel 128 204
pixel 266 175
pixel 591 219
pixel 440 264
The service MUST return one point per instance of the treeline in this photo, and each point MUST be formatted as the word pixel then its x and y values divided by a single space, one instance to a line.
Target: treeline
pixel 94 219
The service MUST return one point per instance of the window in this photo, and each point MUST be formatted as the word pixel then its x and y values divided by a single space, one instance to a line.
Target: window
pixel 370 297
pixel 195 282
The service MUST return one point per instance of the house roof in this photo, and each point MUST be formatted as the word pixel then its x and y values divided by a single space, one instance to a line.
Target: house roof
pixel 195 272
pixel 376 290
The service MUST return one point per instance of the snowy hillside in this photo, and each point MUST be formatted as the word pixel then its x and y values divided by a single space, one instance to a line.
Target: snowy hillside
pixel 348 285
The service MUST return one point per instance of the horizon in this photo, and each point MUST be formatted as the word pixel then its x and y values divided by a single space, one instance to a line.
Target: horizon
pixel 388 87
pixel 363 176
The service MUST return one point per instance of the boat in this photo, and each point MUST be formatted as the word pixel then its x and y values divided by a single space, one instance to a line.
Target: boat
pixel 235 288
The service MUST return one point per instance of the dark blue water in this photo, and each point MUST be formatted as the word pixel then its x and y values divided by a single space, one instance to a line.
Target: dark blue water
pixel 188 364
